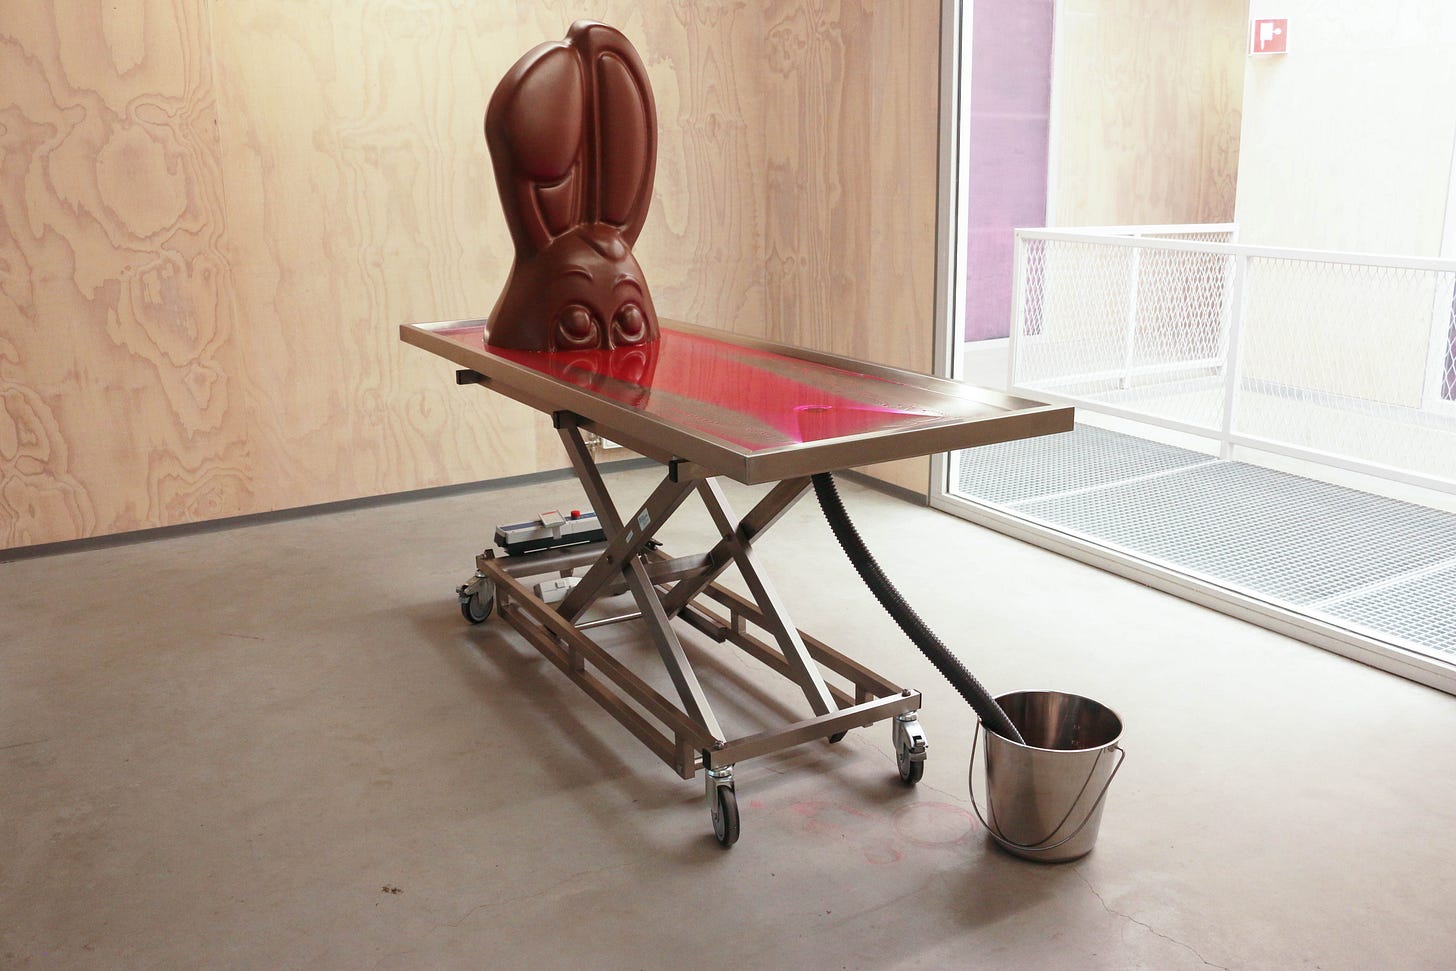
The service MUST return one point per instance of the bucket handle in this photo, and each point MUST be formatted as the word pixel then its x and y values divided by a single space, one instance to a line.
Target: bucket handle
pixel 1036 847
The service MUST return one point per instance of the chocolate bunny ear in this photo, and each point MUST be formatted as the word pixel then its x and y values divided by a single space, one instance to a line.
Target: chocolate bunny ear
pixel 535 127
pixel 621 134
pixel 572 130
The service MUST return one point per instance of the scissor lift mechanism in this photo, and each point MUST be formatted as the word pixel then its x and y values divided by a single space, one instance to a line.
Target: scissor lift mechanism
pixel 685 733
pixel 688 737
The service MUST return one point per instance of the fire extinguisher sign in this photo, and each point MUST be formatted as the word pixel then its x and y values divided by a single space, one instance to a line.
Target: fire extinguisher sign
pixel 1269 37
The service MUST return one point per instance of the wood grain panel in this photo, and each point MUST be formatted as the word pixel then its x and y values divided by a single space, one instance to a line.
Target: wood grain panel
pixel 214 215
pixel 117 361
pixel 359 199
pixel 905 113
pixel 703 232
pixel 851 133
pixel 1147 97
pixel 398 220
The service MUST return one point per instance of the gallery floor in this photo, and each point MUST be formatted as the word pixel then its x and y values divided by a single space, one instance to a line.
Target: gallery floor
pixel 281 746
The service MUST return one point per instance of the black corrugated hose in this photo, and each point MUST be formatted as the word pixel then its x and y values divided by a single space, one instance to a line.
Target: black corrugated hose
pixel 924 638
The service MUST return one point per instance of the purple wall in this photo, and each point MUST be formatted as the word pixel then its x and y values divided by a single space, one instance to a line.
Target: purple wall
pixel 1448 375
pixel 1011 66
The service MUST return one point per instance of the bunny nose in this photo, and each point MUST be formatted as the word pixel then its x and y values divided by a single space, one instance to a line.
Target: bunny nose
pixel 606 241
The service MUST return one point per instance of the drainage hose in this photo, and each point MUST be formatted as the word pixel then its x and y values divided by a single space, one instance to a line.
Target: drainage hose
pixel 945 662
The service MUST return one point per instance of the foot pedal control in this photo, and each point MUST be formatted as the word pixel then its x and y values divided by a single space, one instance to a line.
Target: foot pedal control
pixel 555 591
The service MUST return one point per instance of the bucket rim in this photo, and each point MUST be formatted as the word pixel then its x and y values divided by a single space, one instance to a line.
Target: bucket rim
pixel 1114 742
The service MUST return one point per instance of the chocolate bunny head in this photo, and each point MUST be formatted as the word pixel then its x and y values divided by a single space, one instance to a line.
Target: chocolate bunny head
pixel 572 130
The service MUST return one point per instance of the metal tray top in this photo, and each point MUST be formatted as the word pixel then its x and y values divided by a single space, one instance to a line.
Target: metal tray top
pixel 752 410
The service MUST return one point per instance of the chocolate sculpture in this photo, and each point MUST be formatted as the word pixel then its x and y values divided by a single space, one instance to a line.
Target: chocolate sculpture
pixel 572 130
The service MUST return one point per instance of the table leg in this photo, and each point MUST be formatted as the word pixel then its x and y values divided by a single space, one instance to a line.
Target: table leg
pixel 778 624
pixel 630 541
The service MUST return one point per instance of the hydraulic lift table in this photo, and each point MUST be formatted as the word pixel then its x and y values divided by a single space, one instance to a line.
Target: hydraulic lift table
pixel 704 404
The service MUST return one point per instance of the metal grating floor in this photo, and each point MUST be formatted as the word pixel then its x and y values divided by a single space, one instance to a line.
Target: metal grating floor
pixel 1378 565
pixel 1087 458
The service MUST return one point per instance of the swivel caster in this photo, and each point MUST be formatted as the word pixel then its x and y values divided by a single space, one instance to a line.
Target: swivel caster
pixel 910 747
pixel 477 599
pixel 723 805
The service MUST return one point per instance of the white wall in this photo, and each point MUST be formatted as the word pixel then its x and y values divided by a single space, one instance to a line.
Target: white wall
pixel 1347 145
pixel 1347 139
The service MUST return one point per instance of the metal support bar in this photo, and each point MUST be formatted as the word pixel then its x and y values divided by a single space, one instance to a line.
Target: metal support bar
pixel 695 703
pixel 1233 370
pixel 608 621
pixel 659 743
pixel 532 613
pixel 586 471
pixel 679 470
pixel 779 500
pixel 677 568
pixel 625 544
pixel 810 729
pixel 676 662
pixel 1130 320
pixel 545 561
pixel 846 667
pixel 806 673
pixel 687 760
pixel 704 622
pixel 775 661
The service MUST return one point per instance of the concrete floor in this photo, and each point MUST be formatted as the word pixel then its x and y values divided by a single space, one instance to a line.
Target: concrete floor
pixel 280 746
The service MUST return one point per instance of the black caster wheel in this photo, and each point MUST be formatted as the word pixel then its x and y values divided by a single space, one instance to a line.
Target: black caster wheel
pixel 477 607
pixel 910 748
pixel 911 772
pixel 725 816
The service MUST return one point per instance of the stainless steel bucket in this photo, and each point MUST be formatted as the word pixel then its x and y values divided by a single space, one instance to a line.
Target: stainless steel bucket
pixel 1044 799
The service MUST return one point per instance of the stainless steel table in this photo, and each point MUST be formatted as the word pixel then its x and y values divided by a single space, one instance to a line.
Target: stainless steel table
pixel 706 404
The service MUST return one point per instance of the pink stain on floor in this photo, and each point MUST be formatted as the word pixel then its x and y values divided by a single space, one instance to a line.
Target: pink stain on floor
pixel 932 824
pixel 883 839
pixel 882 853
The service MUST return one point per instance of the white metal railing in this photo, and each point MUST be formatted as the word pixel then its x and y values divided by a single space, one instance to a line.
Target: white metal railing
pixel 1197 232
pixel 1344 359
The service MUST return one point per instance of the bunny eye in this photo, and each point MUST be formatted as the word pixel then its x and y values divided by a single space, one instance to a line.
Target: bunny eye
pixel 576 326
pixel 629 325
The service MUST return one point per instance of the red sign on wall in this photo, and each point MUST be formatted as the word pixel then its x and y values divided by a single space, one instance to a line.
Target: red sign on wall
pixel 1269 37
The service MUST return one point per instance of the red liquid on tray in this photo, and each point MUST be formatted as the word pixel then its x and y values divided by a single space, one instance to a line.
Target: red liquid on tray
pixel 755 399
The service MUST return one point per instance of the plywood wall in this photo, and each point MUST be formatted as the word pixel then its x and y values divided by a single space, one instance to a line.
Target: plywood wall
pixel 213 216
pixel 851 141
pixel 1146 103
pixel 121 373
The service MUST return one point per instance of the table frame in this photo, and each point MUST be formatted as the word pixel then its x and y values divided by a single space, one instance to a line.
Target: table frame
pixel 683 591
